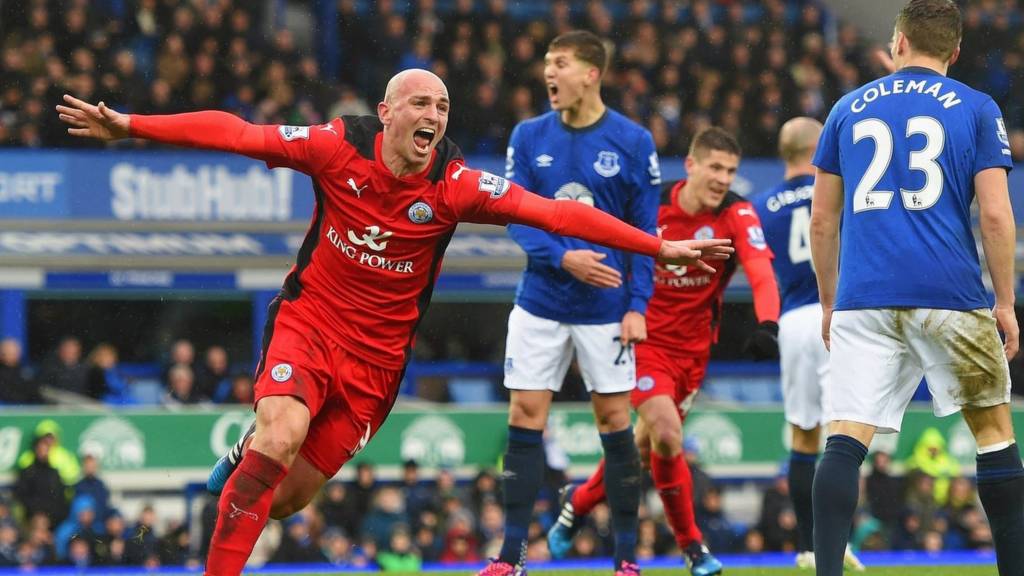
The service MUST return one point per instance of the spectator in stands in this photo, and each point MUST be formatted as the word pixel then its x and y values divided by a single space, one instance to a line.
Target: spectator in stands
pixel 182 353
pixel 65 370
pixel 39 487
pixel 460 546
pixel 80 522
pixel 427 536
pixel 241 390
pixel 16 386
pixel 211 378
pixel 173 548
pixel 335 507
pixel 8 543
pixel 388 511
pixel 110 545
pixel 930 457
pixel 717 530
pixel 400 555
pixel 62 459
pixel 359 495
pixel 180 388
pixel 490 529
pixel 884 491
pixel 417 496
pixel 485 490
pixel 93 486
pixel 104 381
pixel 336 547
pixel 778 522
pixel 80 554
pixel 142 541
pixel 297 542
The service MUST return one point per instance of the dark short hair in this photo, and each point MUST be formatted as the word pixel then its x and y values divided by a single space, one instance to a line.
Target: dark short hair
pixel 585 45
pixel 714 138
pixel 933 27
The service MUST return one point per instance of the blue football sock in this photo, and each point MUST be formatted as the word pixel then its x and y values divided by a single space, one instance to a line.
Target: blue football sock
pixel 835 494
pixel 801 482
pixel 622 484
pixel 1001 489
pixel 521 479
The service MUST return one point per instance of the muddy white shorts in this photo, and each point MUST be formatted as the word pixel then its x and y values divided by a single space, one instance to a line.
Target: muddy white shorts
pixel 878 357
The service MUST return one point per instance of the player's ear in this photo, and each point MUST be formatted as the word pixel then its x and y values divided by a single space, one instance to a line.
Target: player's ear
pixel 901 43
pixel 955 55
pixel 688 163
pixel 384 113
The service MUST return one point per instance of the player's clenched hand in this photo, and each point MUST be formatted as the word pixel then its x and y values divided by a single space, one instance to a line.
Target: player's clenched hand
pixel 826 324
pixel 91 121
pixel 1006 321
pixel 586 266
pixel 695 252
pixel 634 327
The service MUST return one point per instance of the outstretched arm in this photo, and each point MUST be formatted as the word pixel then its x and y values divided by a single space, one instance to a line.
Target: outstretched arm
pixel 300 148
pixel 209 129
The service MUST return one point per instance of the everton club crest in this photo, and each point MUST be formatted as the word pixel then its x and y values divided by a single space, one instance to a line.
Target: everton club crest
pixel 607 164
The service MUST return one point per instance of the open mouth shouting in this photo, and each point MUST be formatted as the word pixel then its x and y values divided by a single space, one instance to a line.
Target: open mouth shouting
pixel 422 138
pixel 552 91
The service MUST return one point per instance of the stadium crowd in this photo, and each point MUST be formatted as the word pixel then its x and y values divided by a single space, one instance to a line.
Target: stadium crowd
pixel 677 66
pixel 68 376
pixel 427 516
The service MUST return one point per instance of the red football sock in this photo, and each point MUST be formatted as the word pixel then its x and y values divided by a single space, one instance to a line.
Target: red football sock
pixel 242 512
pixel 590 493
pixel 672 479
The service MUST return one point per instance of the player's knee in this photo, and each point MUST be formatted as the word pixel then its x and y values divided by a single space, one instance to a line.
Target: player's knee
pixel 666 437
pixel 527 413
pixel 283 423
pixel 613 419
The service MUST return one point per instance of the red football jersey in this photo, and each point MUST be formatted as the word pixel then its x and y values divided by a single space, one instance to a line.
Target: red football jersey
pixel 683 313
pixel 367 267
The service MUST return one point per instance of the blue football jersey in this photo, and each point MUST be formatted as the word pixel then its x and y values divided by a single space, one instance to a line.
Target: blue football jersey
pixel 611 165
pixel 908 147
pixel 785 212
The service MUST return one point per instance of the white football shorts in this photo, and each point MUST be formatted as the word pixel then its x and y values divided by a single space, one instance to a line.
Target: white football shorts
pixel 880 355
pixel 804 363
pixel 538 352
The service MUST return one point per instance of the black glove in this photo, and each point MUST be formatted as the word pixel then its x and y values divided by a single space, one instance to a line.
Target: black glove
pixel 763 343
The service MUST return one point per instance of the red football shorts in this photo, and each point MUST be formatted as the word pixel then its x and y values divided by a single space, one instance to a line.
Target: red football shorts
pixel 659 373
pixel 347 398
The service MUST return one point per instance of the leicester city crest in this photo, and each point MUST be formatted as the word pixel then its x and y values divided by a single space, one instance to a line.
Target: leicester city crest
pixel 607 164
pixel 704 233
pixel 421 213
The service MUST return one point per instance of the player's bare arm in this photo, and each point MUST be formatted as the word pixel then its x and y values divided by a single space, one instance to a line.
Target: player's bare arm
pixel 586 266
pixel 89 121
pixel 826 211
pixel 998 239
